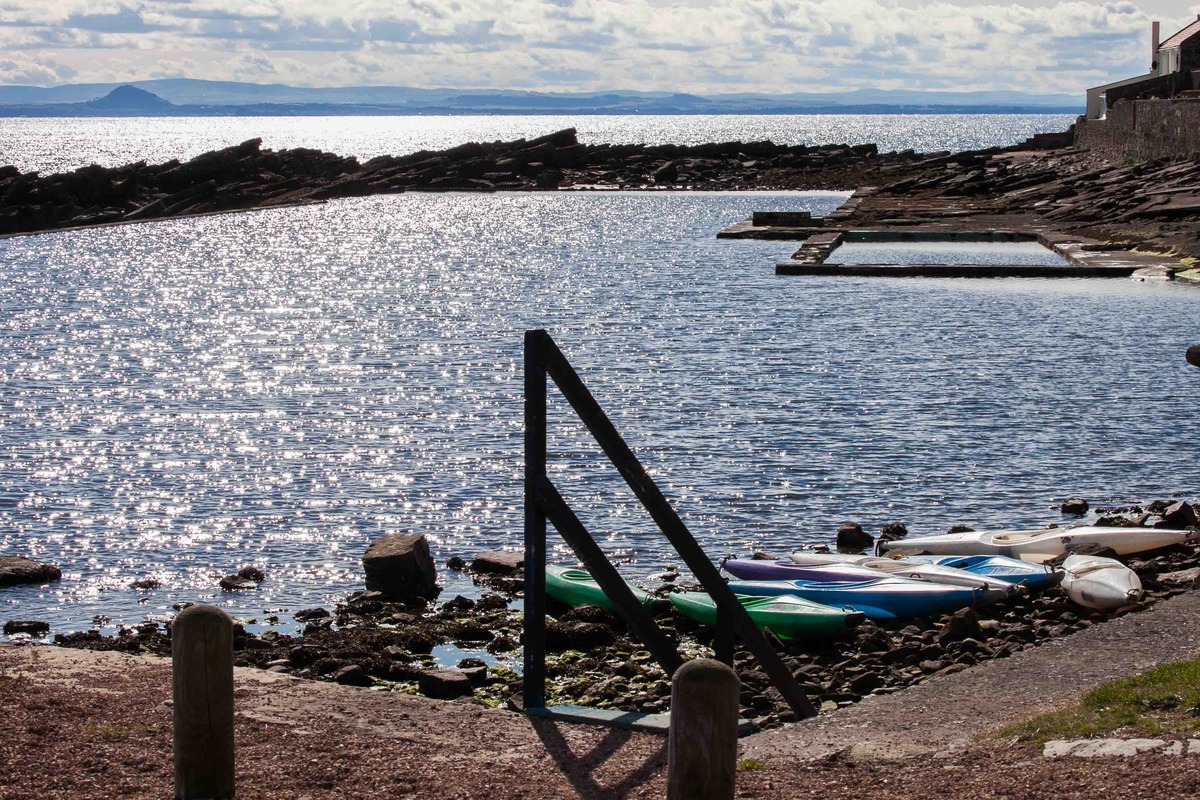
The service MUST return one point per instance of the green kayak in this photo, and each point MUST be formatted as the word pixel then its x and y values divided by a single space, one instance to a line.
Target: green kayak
pixel 577 588
pixel 788 616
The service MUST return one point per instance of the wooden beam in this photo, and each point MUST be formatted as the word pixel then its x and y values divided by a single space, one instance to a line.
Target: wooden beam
pixel 644 487
pixel 601 569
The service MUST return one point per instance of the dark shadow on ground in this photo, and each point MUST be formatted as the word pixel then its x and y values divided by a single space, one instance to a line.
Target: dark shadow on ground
pixel 579 769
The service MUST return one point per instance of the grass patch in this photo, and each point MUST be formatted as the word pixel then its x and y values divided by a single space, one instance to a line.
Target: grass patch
pixel 750 764
pixel 1162 701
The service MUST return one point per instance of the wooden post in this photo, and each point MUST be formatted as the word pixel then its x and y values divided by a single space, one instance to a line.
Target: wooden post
pixel 534 626
pixel 702 743
pixel 202 667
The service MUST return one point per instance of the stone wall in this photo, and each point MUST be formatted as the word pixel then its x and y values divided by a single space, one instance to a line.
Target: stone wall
pixel 1143 130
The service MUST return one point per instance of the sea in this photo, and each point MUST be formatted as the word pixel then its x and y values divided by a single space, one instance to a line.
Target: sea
pixel 182 398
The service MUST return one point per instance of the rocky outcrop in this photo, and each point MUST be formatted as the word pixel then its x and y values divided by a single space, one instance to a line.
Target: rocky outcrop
pixel 851 538
pixel 399 567
pixel 247 176
pixel 1130 203
pixel 500 562
pixel 18 569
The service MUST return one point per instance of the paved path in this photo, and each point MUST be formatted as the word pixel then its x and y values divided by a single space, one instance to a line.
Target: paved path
pixel 946 714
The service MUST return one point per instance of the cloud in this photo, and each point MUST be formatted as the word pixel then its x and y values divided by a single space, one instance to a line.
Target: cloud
pixel 671 45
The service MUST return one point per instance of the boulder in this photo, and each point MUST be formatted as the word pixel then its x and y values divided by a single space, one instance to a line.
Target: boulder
pixel 1178 516
pixel 851 538
pixel 445 684
pixel 352 675
pixel 399 566
pixel 963 624
pixel 18 569
pixel 499 562
pixel 1193 355
pixel 892 532
pixel 1076 506
pixel 37 628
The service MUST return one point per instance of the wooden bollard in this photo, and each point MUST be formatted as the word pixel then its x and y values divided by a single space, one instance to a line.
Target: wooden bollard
pixel 1193 355
pixel 702 743
pixel 202 666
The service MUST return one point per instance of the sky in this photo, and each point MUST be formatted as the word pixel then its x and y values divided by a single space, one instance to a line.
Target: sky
pixel 701 46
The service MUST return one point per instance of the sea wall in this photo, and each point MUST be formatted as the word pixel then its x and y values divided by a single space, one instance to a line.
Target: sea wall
pixel 1144 129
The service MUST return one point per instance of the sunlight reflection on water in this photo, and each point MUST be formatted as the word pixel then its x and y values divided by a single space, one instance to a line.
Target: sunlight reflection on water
pixel 185 397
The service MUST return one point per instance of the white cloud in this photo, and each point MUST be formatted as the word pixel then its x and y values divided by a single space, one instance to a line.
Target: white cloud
pixel 677 45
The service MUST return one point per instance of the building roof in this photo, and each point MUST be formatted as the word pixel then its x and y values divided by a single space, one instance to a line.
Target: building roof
pixel 1182 36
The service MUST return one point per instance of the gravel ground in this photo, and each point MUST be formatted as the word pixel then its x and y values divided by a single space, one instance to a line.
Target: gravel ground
pixel 97 725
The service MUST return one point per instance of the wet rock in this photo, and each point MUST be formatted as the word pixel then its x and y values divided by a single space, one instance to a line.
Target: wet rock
pixel 352 675
pixel 1115 521
pixel 34 627
pixel 577 636
pixel 456 564
pixel 1193 355
pixel 252 573
pixel 759 555
pixel 307 614
pixel 459 603
pixel 1178 516
pixel 445 684
pixel 499 562
pixel 1075 506
pixel 16 570
pixel 236 583
pixel 258 644
pixel 491 602
pixel 960 529
pixel 892 532
pixel 146 583
pixel 399 566
pixel 851 538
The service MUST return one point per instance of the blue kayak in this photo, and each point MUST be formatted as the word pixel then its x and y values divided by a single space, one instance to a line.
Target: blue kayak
pixel 1012 570
pixel 881 598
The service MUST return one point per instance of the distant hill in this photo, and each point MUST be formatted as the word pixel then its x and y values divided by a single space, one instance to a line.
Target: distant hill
pixel 130 98
pixel 187 97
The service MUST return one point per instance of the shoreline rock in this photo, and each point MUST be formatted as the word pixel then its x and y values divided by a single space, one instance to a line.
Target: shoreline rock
pixel 247 176
pixel 16 570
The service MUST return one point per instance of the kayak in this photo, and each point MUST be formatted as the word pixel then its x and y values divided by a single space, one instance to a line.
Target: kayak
pixel 1042 545
pixel 1013 570
pixel 868 568
pixel 788 616
pixel 576 587
pixel 1010 570
pixel 880 598
pixel 1100 583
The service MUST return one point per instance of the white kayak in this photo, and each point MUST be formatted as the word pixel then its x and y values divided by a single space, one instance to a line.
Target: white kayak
pixel 874 567
pixel 1042 545
pixel 1100 583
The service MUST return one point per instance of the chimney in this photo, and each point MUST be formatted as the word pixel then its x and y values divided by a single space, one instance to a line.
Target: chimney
pixel 1154 46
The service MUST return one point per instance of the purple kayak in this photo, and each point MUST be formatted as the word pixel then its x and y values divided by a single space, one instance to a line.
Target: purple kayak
pixel 761 570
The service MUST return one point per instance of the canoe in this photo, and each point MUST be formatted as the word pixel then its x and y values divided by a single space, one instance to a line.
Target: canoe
pixel 880 598
pixel 866 569
pixel 1100 583
pixel 1042 545
pixel 788 616
pixel 576 587
pixel 1033 576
